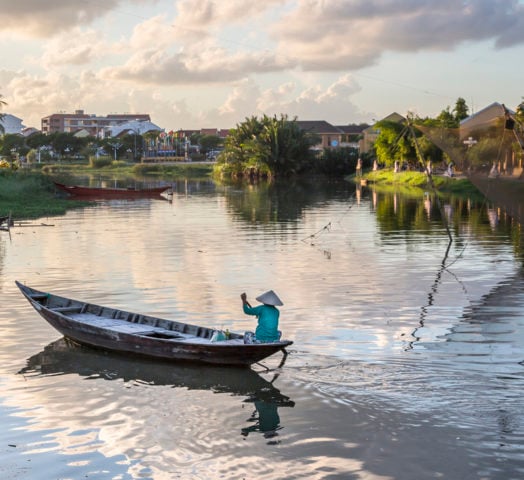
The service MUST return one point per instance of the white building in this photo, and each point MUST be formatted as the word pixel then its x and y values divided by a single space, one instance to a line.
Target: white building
pixel 11 124
pixel 138 127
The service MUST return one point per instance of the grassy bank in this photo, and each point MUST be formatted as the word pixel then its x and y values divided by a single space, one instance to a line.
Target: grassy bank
pixel 29 195
pixel 166 171
pixel 413 179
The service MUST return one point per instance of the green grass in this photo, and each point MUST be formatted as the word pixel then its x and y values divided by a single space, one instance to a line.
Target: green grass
pixel 166 171
pixel 420 180
pixel 31 195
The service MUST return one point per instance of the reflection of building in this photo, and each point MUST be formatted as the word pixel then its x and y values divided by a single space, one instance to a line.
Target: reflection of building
pixel 73 122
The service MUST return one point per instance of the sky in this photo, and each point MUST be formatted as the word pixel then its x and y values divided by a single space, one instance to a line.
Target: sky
pixel 213 63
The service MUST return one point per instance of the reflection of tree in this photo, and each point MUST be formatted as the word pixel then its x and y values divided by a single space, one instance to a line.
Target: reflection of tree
pixel 285 200
pixel 408 214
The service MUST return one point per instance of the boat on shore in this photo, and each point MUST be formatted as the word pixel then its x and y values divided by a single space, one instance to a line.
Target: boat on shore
pixel 6 222
pixel 132 333
pixel 102 192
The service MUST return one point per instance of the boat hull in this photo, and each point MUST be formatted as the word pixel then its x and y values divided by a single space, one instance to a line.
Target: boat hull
pixel 131 333
pixel 95 192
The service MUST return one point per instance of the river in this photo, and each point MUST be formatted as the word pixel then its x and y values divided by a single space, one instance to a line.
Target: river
pixel 407 362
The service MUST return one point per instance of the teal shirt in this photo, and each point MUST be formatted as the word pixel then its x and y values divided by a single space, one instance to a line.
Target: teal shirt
pixel 267 328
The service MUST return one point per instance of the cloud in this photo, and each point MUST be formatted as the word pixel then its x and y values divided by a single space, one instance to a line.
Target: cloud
pixel 44 18
pixel 204 66
pixel 334 103
pixel 342 35
pixel 312 35
pixel 207 13
pixel 72 48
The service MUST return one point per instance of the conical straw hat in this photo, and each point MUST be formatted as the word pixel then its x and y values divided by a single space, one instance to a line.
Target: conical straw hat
pixel 270 298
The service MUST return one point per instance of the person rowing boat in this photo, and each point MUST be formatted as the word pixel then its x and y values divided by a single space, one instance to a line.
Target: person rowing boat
pixel 268 316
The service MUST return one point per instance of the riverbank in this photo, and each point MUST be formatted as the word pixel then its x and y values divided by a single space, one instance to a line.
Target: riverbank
pixel 27 195
pixel 458 184
pixel 166 170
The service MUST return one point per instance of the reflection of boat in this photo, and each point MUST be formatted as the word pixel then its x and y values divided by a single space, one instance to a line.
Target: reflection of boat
pixel 127 332
pixel 131 192
pixel 63 357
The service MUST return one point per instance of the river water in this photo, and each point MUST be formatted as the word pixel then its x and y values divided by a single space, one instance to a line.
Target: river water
pixel 408 361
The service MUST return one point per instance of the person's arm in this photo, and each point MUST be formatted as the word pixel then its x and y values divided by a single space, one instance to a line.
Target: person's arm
pixel 248 309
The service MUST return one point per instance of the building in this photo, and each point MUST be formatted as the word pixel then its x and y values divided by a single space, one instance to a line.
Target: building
pixel 137 127
pixel 495 126
pixel 95 125
pixel 11 124
pixel 491 116
pixel 329 136
pixel 370 134
pixel 352 134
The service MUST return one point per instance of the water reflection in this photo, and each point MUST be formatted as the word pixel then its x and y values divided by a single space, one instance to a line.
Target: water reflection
pixel 283 201
pixel 64 357
pixel 493 328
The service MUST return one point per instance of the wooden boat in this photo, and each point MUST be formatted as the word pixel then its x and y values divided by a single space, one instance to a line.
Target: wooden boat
pixel 127 332
pixel 102 192
pixel 6 222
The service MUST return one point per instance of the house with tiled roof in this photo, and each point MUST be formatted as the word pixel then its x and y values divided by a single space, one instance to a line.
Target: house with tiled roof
pixel 352 134
pixel 329 135
pixel 370 134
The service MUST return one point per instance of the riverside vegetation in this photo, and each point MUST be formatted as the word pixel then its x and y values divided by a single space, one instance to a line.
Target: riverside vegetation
pixel 29 193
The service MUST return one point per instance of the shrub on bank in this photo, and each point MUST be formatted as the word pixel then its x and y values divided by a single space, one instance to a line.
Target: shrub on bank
pixel 100 162
pixel 146 168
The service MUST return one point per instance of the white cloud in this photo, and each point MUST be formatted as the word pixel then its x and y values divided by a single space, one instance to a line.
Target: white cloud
pixel 207 13
pixel 333 103
pixel 78 47
pixel 205 66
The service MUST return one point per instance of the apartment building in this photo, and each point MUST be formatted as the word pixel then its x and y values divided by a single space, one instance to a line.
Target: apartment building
pixel 93 124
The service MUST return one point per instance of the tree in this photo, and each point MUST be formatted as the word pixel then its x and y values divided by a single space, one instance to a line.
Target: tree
pixel 519 114
pixel 12 145
pixel 392 145
pixel 208 142
pixel 270 145
pixel 66 143
pixel 461 110
pixel 446 119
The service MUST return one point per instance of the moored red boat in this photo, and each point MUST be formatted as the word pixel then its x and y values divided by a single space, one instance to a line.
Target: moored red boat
pixel 101 192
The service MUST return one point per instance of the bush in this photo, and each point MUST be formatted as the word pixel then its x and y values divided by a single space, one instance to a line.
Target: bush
pixel 145 168
pixel 118 163
pixel 100 162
